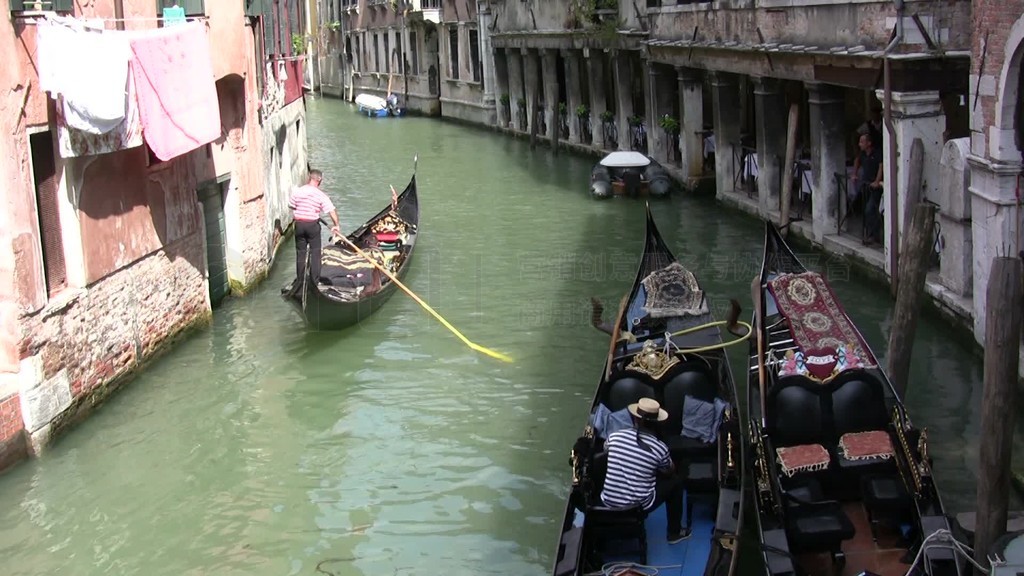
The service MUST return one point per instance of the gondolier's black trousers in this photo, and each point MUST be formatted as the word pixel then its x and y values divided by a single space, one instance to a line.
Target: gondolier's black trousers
pixel 669 490
pixel 307 239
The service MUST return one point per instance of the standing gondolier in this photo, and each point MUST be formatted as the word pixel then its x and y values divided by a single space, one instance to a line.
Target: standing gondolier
pixel 308 203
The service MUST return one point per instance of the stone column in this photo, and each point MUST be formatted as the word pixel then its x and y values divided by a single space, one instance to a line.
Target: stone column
pixel 501 85
pixel 531 79
pixel 573 92
pixel 624 87
pixel 726 99
pixel 516 90
pixel 655 136
pixel 772 117
pixel 914 115
pixel 598 104
pixel 549 64
pixel 489 79
pixel 994 223
pixel 691 122
pixel 828 155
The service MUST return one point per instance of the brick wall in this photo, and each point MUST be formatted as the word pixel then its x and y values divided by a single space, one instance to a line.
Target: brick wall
pixel 992 22
pixel 108 330
pixel 256 245
pixel 12 442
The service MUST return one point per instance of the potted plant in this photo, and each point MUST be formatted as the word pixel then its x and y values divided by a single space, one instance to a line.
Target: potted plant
pixel 582 111
pixel 607 116
pixel 504 98
pixel 669 124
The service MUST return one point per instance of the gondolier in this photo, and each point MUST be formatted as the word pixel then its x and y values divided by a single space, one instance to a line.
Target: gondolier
pixel 308 203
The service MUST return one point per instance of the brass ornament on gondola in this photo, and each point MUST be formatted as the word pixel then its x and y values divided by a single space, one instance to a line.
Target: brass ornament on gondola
pixel 651 361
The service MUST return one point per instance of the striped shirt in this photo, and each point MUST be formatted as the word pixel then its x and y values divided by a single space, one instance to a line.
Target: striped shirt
pixel 309 202
pixel 632 469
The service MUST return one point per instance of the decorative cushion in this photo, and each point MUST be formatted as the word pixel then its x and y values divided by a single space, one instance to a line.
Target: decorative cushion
pixel 701 419
pixel 387 236
pixel 866 445
pixel 807 457
pixel 605 421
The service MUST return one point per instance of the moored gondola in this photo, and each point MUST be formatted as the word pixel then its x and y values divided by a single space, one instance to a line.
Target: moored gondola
pixel 351 288
pixel 842 481
pixel 666 346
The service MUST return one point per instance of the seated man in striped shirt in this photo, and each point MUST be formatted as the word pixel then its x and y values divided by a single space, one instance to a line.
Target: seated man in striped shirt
pixel 308 203
pixel 640 470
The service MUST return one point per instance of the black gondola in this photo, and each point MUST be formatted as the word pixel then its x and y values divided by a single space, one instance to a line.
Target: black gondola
pixel 674 353
pixel 355 289
pixel 842 480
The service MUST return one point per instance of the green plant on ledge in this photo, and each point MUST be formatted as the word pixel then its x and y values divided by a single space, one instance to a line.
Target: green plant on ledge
pixel 298 44
pixel 636 120
pixel 669 124
pixel 504 99
pixel 607 116
pixel 582 111
pixel 562 108
pixel 333 26
pixel 521 104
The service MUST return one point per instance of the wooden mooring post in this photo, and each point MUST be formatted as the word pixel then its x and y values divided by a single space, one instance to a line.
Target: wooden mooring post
pixel 534 124
pixel 917 245
pixel 785 198
pixel 998 402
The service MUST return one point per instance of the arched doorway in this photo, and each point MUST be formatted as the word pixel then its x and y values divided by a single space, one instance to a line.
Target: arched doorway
pixel 433 59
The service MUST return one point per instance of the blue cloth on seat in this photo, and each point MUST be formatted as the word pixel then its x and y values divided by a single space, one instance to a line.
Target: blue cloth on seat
pixel 701 419
pixel 605 422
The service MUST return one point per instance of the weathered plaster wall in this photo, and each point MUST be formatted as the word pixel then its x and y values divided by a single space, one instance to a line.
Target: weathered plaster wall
pixel 285 167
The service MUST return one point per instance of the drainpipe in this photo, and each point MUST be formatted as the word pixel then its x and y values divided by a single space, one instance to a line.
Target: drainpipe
pixel 891 129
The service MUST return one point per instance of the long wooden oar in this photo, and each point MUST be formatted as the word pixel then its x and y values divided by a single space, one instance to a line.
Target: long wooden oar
pixel 426 306
pixel 758 297
pixel 616 334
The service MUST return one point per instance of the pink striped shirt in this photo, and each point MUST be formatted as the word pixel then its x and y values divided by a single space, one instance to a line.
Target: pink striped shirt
pixel 309 202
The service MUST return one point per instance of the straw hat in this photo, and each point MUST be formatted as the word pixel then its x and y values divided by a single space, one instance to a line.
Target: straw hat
pixel 648 410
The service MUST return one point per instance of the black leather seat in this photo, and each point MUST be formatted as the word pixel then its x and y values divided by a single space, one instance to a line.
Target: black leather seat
pixel 612 531
pixel 625 391
pixel 886 501
pixel 694 380
pixel 858 405
pixel 814 524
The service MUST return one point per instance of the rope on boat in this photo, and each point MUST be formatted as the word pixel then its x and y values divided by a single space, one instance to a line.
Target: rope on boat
pixel 943 538
pixel 619 568
pixel 720 345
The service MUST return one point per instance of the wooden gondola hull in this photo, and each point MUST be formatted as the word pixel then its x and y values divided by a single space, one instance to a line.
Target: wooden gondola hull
pixel 715 471
pixel 333 308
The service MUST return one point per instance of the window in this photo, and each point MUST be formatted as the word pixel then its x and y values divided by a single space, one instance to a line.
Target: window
pixel 44 174
pixel 474 55
pixel 414 45
pixel 453 52
pixel 34 5
pixel 387 53
pixel 399 55
pixel 192 7
pixel 376 53
pixel 253 8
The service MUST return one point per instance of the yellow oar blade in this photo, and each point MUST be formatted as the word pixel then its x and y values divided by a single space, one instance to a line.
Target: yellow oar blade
pixel 427 307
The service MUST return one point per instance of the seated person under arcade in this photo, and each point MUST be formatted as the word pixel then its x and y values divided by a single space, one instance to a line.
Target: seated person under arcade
pixel 640 470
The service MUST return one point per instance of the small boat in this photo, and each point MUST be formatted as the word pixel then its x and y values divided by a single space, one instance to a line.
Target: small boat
pixel 842 480
pixel 377 107
pixel 631 174
pixel 355 288
pixel 674 353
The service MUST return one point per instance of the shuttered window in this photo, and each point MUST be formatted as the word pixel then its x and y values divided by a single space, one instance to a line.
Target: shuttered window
pixel 253 7
pixel 44 173
pixel 192 7
pixel 55 5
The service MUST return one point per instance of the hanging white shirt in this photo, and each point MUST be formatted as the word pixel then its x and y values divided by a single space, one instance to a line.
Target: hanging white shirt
pixel 88 68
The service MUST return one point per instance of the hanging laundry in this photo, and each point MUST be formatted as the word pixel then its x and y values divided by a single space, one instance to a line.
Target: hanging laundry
pixel 128 134
pixel 177 97
pixel 174 15
pixel 88 69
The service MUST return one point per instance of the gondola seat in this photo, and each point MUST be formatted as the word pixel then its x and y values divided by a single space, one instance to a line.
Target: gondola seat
pixel 858 406
pixel 796 426
pixel 814 525
pixel 625 391
pixel 886 501
pixel 694 383
pixel 613 531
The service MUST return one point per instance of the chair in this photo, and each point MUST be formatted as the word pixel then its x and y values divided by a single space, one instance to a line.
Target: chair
pixel 886 501
pixel 816 525
pixel 605 526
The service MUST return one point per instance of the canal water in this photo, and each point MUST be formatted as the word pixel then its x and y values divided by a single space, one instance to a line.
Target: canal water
pixel 257 447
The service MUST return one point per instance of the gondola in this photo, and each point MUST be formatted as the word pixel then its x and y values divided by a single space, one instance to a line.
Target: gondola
pixel 355 288
pixel 674 353
pixel 841 478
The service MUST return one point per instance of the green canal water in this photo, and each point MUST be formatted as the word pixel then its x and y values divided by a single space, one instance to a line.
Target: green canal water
pixel 258 448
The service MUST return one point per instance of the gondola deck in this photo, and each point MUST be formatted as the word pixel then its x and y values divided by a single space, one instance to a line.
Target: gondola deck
pixel 665 298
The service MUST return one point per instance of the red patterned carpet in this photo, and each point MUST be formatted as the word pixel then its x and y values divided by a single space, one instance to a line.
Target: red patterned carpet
pixel 816 319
